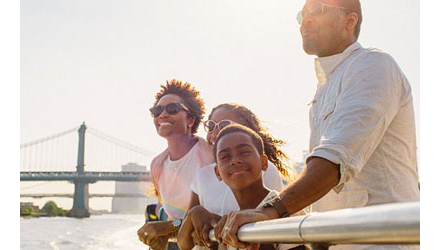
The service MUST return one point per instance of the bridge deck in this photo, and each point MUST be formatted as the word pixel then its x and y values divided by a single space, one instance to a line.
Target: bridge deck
pixel 85 177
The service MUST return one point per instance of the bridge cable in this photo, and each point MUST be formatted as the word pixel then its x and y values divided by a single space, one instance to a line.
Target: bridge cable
pixel 120 143
pixel 25 145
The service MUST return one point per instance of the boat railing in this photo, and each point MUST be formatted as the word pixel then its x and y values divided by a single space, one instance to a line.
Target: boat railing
pixel 393 223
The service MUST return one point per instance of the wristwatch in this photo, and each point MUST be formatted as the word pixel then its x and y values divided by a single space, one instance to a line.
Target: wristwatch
pixel 278 205
pixel 176 223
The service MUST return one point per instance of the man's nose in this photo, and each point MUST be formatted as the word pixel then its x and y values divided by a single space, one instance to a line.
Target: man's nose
pixel 307 18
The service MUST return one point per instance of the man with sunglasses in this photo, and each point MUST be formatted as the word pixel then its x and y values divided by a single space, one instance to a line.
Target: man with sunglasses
pixel 362 142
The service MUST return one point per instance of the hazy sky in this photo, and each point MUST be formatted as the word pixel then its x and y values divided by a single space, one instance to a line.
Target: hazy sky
pixel 103 61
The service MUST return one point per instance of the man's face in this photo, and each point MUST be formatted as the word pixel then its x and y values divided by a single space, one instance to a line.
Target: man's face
pixel 324 32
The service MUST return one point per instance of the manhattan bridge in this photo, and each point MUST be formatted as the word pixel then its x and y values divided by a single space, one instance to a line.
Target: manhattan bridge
pixel 81 160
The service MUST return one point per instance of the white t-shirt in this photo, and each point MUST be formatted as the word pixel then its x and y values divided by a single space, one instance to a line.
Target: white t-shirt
pixel 175 181
pixel 272 194
pixel 217 197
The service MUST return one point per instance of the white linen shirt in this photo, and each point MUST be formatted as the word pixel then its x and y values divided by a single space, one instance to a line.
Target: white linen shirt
pixel 362 118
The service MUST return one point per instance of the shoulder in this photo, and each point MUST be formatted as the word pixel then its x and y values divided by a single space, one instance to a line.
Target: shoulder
pixel 373 68
pixel 271 173
pixel 374 58
pixel 204 152
pixel 205 172
pixel 157 162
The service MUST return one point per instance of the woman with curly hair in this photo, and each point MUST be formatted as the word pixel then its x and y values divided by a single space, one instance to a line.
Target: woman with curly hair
pixel 177 112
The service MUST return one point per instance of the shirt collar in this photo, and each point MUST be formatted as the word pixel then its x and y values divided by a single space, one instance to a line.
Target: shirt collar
pixel 324 66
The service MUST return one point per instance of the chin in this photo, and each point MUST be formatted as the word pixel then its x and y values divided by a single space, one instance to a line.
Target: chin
pixel 309 51
pixel 309 48
pixel 163 133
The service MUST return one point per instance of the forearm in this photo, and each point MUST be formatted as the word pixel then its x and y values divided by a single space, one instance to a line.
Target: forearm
pixel 184 239
pixel 194 201
pixel 316 180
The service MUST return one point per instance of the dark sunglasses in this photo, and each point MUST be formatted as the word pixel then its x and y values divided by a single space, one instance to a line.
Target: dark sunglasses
pixel 315 9
pixel 210 125
pixel 171 108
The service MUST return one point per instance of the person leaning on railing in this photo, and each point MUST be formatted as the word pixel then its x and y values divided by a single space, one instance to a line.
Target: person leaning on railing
pixel 362 142
pixel 177 113
pixel 213 194
pixel 240 163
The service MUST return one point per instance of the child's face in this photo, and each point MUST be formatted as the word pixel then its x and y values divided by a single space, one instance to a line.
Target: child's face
pixel 223 114
pixel 238 162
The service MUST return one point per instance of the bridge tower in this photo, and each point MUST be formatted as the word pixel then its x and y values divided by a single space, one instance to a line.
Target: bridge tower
pixel 80 207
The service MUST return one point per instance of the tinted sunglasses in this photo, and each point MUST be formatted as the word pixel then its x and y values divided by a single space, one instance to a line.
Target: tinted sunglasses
pixel 171 108
pixel 210 125
pixel 315 9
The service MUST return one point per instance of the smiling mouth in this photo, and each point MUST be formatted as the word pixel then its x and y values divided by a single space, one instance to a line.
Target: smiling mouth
pixel 240 171
pixel 164 123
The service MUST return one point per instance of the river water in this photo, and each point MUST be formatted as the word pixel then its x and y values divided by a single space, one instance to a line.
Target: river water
pixel 108 231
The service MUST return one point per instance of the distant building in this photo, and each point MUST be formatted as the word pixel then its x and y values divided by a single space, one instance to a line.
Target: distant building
pixel 131 204
pixel 299 166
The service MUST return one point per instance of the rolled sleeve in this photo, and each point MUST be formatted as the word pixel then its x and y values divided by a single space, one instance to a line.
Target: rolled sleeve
pixel 369 100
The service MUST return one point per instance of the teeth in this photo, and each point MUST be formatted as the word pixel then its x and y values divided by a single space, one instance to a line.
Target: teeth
pixel 165 123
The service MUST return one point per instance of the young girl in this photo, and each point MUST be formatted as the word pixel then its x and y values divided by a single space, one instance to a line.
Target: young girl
pixel 213 194
pixel 240 161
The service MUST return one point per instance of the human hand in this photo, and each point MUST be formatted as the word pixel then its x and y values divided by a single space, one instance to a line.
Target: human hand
pixel 159 243
pixel 219 228
pixel 154 229
pixel 184 237
pixel 203 221
pixel 236 219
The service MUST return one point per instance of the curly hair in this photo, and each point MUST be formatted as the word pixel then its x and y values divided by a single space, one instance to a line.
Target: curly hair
pixel 190 97
pixel 271 145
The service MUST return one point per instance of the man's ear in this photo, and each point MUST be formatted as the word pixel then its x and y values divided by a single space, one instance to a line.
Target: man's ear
pixel 264 162
pixel 352 21
pixel 217 173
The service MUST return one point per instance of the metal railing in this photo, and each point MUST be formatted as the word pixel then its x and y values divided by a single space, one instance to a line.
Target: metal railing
pixel 395 223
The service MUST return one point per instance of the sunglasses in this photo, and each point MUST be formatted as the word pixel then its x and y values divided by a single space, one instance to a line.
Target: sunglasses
pixel 315 9
pixel 210 125
pixel 171 108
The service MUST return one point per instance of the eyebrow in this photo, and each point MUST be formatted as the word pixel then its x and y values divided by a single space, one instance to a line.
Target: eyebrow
pixel 238 146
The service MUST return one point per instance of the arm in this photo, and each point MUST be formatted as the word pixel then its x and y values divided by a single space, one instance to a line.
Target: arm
pixel 195 228
pixel 203 221
pixel 194 200
pixel 317 179
pixel 154 233
pixel 369 100
pixel 184 239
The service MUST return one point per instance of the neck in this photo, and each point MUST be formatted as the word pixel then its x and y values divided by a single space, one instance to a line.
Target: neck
pixel 343 45
pixel 251 196
pixel 180 145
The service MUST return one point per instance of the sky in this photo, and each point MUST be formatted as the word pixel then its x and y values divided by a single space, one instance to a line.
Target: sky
pixel 103 61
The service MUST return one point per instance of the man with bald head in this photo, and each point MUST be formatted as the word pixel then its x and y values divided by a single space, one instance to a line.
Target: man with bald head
pixel 362 141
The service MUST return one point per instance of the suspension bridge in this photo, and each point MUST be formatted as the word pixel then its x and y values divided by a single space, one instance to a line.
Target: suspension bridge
pixel 53 158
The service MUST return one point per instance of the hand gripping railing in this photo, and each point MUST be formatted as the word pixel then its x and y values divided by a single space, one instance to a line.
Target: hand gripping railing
pixel 395 223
